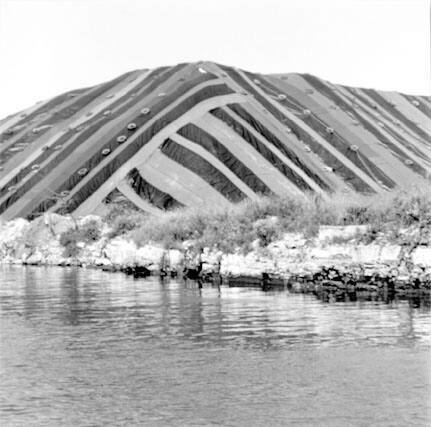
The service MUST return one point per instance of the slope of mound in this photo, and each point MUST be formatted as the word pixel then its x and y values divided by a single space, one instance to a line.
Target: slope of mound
pixel 204 133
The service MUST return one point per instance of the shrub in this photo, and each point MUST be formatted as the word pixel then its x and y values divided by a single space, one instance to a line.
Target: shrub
pixel 87 233
pixel 123 219
pixel 238 225
pixel 90 231
pixel 69 240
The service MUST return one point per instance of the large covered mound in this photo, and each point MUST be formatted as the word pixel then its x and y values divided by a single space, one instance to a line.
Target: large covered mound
pixel 203 133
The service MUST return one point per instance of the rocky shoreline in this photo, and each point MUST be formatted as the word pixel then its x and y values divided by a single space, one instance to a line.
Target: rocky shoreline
pixel 336 260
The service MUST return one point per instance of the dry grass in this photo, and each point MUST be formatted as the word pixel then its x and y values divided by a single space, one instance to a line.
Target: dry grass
pixel 271 217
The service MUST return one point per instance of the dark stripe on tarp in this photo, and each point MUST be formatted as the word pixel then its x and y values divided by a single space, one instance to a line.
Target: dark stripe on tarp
pixel 373 129
pixel 97 122
pixel 203 169
pixel 386 105
pixel 92 125
pixel 422 107
pixel 151 194
pixel 69 111
pixel 328 158
pixel 270 137
pixel 58 100
pixel 104 173
pixel 218 150
pixel 336 139
pixel 261 148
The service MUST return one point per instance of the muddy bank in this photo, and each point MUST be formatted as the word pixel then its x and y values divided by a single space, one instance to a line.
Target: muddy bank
pixel 337 259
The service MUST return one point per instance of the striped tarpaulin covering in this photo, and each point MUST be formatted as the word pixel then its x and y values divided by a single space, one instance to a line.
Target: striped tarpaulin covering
pixel 203 133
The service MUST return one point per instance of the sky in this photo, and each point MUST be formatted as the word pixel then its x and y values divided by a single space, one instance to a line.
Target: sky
pixel 50 46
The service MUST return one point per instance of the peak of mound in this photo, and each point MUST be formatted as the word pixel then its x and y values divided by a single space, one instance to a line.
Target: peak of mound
pixel 204 133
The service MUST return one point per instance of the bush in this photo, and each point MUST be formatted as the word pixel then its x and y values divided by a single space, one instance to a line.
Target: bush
pixel 268 218
pixel 87 233
pixel 90 232
pixel 69 240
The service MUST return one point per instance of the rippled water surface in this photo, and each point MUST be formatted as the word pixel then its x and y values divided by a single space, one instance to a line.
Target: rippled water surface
pixel 89 348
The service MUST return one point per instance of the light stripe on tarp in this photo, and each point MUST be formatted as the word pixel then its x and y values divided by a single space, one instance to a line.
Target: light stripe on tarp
pixel 202 168
pixel 384 100
pixel 96 147
pixel 125 188
pixel 373 157
pixel 79 105
pixel 406 141
pixel 288 138
pixel 199 141
pixel 148 148
pixel 282 151
pixel 20 165
pixel 301 132
pixel 263 169
pixel 391 111
pixel 150 193
pixel 177 175
pixel 410 148
pixel 169 182
pixel 364 177
pixel 263 147
pixel 87 136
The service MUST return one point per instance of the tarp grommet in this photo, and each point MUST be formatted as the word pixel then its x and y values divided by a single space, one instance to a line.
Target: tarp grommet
pixel 145 111
pixel 121 139
pixel 106 151
pixel 131 126
pixel 82 171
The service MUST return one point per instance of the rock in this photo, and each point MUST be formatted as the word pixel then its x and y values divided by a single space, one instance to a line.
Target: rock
pixel 149 256
pixel 121 252
pixel 422 256
pixel 331 232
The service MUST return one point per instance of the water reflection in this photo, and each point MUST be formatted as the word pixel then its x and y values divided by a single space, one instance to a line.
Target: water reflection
pixel 170 308
pixel 79 346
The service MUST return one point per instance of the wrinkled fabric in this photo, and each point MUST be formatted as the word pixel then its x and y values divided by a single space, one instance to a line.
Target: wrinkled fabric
pixel 108 170
pixel 269 136
pixel 150 193
pixel 203 169
pixel 261 148
pixel 218 150
pixel 339 168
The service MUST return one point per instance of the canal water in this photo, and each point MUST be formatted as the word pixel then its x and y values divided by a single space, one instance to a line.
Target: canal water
pixel 89 348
